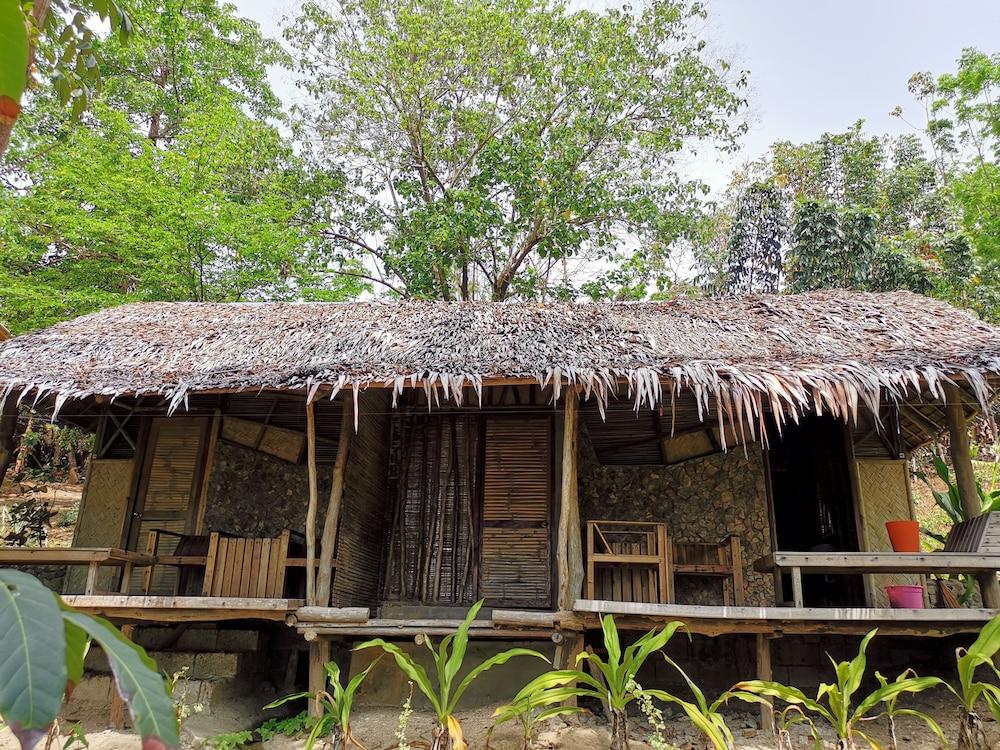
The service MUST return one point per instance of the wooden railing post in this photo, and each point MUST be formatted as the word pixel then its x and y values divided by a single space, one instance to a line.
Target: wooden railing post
pixel 569 552
pixel 313 503
pixel 328 542
pixel 965 478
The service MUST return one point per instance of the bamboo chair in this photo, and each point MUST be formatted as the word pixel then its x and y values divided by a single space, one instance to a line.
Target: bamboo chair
pixel 628 561
pixel 253 568
pixel 722 561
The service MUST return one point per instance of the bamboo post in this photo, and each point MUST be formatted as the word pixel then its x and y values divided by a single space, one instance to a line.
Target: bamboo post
pixel 328 543
pixel 311 512
pixel 569 553
pixel 8 424
pixel 965 478
pixel 319 655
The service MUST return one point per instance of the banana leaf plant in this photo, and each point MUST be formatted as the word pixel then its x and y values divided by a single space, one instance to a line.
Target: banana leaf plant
pixel 41 660
pixel 445 689
pixel 838 704
pixel 335 707
pixel 973 693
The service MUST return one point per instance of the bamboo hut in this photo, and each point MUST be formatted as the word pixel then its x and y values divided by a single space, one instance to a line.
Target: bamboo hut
pixel 372 468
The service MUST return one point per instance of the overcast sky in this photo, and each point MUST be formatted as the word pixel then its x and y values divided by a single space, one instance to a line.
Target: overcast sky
pixel 815 65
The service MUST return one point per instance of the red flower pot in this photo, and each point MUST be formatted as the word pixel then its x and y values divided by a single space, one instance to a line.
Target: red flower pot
pixel 904 535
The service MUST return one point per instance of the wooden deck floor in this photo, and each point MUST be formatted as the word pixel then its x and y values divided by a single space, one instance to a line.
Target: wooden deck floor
pixel 791 620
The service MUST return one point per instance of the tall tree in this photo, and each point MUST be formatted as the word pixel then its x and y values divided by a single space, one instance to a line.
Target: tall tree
pixel 55 38
pixel 484 144
pixel 176 186
pixel 754 262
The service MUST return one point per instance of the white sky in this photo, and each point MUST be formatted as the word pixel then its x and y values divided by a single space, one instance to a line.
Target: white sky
pixel 815 65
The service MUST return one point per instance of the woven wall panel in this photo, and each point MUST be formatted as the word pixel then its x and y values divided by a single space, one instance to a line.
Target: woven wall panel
pixel 885 497
pixel 516 566
pixel 102 516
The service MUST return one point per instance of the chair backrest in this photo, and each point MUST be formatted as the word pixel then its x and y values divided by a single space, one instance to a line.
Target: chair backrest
pixel 255 568
pixel 980 534
pixel 700 553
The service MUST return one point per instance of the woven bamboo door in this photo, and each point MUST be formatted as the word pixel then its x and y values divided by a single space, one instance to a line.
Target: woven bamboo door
pixel 516 566
pixel 167 490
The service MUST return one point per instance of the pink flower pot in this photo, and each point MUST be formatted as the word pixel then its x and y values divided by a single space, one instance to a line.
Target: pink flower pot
pixel 905 597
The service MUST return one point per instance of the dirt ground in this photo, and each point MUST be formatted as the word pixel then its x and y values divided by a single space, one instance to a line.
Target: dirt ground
pixel 376 728
pixel 63 498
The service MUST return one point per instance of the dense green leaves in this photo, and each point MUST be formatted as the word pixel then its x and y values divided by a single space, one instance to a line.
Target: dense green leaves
pixel 41 657
pixel 484 144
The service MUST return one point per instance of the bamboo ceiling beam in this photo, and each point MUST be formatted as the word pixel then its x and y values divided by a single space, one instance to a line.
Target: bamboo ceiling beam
pixel 328 542
pixel 965 478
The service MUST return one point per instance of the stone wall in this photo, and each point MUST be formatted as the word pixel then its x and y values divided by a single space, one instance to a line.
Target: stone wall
pixel 700 500
pixel 256 495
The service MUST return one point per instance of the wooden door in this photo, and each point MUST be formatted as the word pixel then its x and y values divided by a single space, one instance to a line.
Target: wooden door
pixel 167 492
pixel 516 567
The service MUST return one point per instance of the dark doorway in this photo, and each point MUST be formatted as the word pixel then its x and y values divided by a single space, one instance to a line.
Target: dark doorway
pixel 814 504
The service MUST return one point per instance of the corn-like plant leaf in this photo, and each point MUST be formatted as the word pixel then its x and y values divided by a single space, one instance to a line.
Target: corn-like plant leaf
pixel 33 668
pixel 931 724
pixel 502 658
pixel 716 732
pixel 138 682
pixel 455 734
pixel 411 669
pixel 347 698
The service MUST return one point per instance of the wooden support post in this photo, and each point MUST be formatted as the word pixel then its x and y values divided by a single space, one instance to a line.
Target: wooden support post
pixel 313 503
pixel 568 649
pixel 764 672
pixel 797 599
pixel 328 543
pixel 319 655
pixel 965 478
pixel 118 712
pixel 569 555
pixel 8 425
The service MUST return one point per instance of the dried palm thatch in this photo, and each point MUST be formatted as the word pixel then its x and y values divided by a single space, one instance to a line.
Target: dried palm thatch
pixel 828 351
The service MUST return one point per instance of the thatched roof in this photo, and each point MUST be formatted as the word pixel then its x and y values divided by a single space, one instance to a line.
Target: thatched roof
pixel 826 350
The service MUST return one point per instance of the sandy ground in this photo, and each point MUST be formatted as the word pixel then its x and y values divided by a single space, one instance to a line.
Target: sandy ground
pixel 376 729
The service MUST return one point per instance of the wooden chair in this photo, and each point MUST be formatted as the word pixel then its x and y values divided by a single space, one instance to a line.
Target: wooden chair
pixel 628 561
pixel 238 567
pixel 723 561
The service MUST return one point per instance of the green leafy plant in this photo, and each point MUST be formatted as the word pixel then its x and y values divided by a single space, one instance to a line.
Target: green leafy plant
pixel 891 711
pixel 335 706
pixel 615 684
pixel 290 726
pixel 836 703
pixel 539 700
pixel 445 690
pixel 231 740
pixel 971 692
pixel 41 660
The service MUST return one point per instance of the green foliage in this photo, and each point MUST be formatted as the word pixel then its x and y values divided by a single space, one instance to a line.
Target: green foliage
pixel 756 235
pixel 14 62
pixel 973 693
pixel 838 704
pixel 488 143
pixel 831 248
pixel 444 690
pixel 892 711
pixel 29 522
pixel 538 701
pixel 178 185
pixel 41 656
pixel 231 740
pixel 335 705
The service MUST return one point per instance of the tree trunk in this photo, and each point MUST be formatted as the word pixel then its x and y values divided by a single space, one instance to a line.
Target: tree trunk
pixel 73 476
pixel 22 453
pixel 619 729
